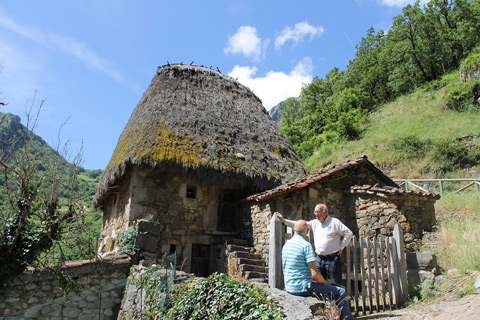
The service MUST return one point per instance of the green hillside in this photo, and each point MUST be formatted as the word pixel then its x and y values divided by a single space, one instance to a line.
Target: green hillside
pixel 408 136
pixel 407 100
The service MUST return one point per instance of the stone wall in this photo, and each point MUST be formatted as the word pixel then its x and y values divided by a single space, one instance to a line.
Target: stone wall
pixel 39 296
pixel 378 208
pixel 261 231
pixel 373 213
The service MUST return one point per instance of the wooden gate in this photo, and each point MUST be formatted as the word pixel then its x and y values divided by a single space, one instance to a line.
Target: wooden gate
pixel 375 272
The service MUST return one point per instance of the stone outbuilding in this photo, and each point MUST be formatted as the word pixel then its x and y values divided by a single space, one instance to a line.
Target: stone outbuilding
pixel 357 193
pixel 197 142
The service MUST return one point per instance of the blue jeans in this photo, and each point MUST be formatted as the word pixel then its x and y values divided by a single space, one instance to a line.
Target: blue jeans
pixel 327 292
pixel 330 267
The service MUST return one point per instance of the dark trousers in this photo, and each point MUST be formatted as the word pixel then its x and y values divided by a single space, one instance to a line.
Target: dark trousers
pixel 332 293
pixel 330 267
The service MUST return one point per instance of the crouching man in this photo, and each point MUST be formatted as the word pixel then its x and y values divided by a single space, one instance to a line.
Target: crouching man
pixel 301 275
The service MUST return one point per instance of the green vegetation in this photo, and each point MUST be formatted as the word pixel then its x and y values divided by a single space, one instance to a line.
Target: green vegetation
pixel 220 297
pixel 458 237
pixel 44 220
pixel 126 240
pixel 420 50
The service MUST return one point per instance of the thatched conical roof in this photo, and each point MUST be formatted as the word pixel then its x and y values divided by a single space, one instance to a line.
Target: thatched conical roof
pixel 200 122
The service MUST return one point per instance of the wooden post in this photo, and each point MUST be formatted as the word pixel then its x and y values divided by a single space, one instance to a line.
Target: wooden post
pixel 394 274
pixel 440 184
pixel 356 268
pixel 349 273
pixel 402 264
pixel 275 272
pixel 362 275
pixel 382 272
pixel 389 272
pixel 369 275
pixel 375 268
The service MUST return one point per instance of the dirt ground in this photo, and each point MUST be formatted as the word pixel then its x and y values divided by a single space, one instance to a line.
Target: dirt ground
pixel 449 308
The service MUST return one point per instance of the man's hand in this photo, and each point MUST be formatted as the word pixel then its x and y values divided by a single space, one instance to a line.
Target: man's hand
pixel 280 217
pixel 316 276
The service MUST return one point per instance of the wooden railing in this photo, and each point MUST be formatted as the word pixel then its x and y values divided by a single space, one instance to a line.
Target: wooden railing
pixel 413 184
pixel 375 275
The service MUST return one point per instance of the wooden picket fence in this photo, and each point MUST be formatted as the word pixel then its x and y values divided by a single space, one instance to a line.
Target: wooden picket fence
pixel 375 274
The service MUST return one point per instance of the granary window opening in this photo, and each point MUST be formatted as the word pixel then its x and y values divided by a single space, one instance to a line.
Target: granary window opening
pixel 227 211
pixel 191 192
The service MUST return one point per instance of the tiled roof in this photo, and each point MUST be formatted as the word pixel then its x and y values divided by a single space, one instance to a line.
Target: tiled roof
pixel 111 259
pixel 307 180
pixel 387 191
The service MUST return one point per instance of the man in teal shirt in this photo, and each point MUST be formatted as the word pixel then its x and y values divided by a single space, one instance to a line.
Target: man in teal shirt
pixel 301 275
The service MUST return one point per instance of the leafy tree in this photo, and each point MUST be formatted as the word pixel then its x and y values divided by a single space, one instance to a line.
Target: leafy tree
pixel 33 180
pixel 423 44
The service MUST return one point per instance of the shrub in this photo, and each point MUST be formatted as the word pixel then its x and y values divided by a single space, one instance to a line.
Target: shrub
pixel 410 146
pixel 463 96
pixel 220 297
pixel 126 240
pixel 451 156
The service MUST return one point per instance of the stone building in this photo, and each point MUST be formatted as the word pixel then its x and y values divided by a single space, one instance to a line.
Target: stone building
pixel 356 192
pixel 197 142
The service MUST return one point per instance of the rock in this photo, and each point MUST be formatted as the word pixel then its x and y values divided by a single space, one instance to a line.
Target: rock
pixel 295 308
pixel 421 260
pixel 477 282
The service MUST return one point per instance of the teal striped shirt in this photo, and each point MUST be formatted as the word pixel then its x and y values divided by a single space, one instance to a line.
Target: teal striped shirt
pixel 296 253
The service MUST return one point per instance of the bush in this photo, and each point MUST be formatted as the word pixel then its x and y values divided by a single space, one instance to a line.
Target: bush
pixel 410 146
pixel 126 240
pixel 451 156
pixel 463 96
pixel 220 297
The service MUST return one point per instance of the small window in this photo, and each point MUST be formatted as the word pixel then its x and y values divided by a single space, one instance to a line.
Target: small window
pixel 191 192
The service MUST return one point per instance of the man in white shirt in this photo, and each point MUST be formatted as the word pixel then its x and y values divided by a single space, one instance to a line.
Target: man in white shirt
pixel 331 236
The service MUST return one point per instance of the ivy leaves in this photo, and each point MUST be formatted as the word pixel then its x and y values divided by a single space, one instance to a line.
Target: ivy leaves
pixel 220 297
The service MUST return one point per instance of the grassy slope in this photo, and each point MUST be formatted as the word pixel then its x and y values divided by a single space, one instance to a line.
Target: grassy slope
pixel 421 114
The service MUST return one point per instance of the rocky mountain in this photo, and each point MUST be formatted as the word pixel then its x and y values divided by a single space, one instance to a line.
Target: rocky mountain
pixel 276 112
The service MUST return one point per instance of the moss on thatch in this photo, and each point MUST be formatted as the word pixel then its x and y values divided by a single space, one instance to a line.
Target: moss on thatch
pixel 201 122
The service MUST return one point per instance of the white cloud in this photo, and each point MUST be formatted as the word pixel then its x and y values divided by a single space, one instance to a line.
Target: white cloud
pixel 275 87
pixel 298 33
pixel 64 44
pixel 247 42
pixel 400 3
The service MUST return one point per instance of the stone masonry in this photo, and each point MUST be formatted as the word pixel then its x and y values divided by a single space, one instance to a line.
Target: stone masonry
pixel 39 296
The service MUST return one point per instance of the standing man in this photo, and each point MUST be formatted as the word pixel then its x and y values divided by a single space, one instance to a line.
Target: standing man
pixel 301 276
pixel 331 236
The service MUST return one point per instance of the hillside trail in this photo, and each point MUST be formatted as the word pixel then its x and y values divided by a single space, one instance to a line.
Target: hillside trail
pixel 449 308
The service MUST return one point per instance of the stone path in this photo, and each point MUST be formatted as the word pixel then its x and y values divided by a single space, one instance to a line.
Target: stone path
pixel 467 307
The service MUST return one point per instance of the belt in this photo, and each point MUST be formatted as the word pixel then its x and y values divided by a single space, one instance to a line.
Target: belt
pixel 327 255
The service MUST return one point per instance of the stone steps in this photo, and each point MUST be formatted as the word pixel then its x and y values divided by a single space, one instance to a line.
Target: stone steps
pixel 250 264
pixel 251 267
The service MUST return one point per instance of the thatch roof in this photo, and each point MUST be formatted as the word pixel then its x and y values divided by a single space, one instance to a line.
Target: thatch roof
pixel 198 121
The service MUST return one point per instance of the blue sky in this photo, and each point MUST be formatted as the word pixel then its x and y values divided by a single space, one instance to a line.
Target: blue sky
pixel 92 60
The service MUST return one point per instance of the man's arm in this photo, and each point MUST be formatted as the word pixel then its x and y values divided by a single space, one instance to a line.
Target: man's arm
pixel 288 223
pixel 316 276
pixel 347 235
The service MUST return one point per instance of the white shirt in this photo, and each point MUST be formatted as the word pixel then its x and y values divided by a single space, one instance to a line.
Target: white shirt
pixel 330 236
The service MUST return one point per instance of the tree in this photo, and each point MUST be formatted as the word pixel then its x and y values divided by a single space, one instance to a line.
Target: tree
pixel 33 180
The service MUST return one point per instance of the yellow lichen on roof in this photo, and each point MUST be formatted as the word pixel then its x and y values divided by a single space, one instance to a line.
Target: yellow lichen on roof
pixel 154 143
